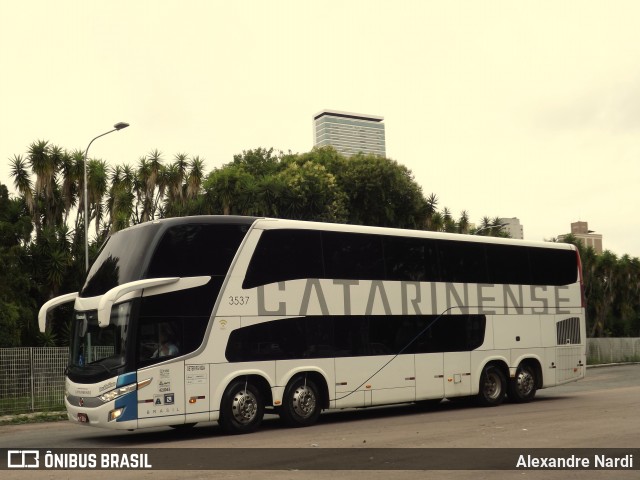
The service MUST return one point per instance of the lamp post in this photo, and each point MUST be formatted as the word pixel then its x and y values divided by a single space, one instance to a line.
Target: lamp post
pixel 117 126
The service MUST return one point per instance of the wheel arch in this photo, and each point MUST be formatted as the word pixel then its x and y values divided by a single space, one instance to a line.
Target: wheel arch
pixel 257 378
pixel 499 362
pixel 535 363
pixel 317 376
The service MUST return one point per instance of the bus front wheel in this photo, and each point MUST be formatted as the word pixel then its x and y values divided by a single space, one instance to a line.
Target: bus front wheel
pixel 522 388
pixel 492 386
pixel 300 403
pixel 242 408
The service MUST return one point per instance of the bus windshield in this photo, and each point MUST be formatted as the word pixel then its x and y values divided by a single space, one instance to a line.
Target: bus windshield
pixel 99 352
pixel 121 260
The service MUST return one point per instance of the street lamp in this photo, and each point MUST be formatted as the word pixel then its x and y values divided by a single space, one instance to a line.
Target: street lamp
pixel 501 225
pixel 117 126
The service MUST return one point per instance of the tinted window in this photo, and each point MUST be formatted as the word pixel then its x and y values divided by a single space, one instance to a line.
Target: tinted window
pixel 508 264
pixel 353 256
pixel 553 267
pixel 306 337
pixel 167 336
pixel 294 254
pixel 463 262
pixel 411 259
pixel 195 250
pixel 454 333
pixel 285 255
pixel 121 260
pixel 353 336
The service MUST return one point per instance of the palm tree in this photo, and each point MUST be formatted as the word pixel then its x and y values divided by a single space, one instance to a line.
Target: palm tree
pixel 120 198
pixel 97 183
pixel 70 171
pixel 195 177
pixel 430 210
pixel 449 224
pixel 463 222
pixel 436 222
pixel 149 186
pixel 22 182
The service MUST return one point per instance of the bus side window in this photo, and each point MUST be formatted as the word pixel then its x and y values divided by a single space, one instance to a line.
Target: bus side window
pixel 283 255
pixel 353 256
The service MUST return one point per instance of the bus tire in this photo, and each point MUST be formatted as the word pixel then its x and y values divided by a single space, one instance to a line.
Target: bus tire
pixel 493 387
pixel 301 403
pixel 242 408
pixel 522 388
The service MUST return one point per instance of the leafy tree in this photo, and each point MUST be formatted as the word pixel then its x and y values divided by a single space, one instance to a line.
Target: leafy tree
pixel 381 192
pixel 16 306
pixel 229 189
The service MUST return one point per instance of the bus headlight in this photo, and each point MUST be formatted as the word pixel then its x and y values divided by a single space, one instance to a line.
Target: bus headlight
pixel 118 392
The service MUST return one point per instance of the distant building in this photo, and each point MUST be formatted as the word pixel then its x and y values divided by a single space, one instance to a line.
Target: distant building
pixel 349 133
pixel 589 238
pixel 512 225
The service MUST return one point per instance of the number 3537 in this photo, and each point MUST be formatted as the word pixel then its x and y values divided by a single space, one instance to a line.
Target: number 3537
pixel 238 300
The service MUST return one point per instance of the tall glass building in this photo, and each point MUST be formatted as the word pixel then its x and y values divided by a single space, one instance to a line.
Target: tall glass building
pixel 349 133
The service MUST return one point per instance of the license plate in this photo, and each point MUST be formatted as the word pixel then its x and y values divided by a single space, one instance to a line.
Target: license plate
pixel 83 418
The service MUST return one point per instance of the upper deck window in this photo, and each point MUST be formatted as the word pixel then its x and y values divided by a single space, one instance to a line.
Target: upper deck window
pixel 290 254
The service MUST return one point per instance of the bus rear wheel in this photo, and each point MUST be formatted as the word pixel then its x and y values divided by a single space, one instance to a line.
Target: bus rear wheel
pixel 300 403
pixel 522 388
pixel 492 387
pixel 242 408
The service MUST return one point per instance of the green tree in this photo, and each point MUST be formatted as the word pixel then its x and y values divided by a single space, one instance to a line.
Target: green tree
pixel 311 193
pixel 381 192
pixel 16 305
pixel 228 189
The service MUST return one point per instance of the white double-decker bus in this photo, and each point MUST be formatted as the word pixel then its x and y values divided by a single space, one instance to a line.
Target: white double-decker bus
pixel 221 318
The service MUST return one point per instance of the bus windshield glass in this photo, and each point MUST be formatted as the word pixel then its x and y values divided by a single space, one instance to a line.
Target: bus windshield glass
pixel 121 260
pixel 99 352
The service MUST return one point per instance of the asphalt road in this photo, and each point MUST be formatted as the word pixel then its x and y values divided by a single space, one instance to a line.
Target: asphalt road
pixel 599 412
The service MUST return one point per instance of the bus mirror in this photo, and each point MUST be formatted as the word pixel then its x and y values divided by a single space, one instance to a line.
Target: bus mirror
pixel 112 296
pixel 50 305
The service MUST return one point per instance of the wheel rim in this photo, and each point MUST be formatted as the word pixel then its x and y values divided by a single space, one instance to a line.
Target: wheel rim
pixel 525 383
pixel 304 401
pixel 492 386
pixel 244 407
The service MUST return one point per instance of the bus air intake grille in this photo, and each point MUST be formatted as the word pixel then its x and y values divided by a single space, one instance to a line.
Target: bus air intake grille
pixel 568 331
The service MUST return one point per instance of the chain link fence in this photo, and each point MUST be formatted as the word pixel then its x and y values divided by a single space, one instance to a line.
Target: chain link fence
pixel 32 379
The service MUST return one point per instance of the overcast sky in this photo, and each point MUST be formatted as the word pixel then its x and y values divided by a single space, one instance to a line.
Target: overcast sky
pixel 503 108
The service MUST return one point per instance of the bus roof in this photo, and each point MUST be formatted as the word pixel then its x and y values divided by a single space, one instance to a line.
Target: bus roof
pixel 276 223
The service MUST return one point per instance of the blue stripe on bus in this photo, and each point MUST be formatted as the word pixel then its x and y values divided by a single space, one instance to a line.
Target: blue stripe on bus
pixel 130 404
pixel 126 379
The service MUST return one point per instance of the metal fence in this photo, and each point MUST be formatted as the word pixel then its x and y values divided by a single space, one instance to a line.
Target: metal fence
pixel 32 379
pixel 612 350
